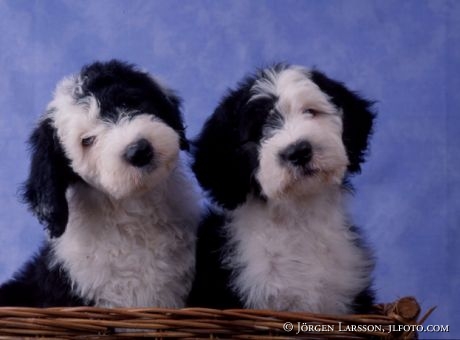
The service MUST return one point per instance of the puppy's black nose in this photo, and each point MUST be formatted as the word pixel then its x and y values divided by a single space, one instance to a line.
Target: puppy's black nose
pixel 298 153
pixel 139 153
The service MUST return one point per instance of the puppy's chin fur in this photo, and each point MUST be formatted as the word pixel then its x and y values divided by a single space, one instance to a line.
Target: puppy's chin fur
pixel 296 185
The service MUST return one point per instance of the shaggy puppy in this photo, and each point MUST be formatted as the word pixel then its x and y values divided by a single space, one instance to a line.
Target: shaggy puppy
pixel 107 182
pixel 276 155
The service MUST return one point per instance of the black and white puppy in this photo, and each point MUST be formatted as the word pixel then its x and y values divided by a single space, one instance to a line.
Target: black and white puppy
pixel 276 155
pixel 107 181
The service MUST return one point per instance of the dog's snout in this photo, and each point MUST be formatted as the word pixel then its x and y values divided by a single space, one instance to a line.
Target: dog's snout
pixel 139 153
pixel 298 153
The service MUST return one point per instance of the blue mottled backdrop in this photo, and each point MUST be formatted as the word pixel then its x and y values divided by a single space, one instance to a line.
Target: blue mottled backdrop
pixel 403 54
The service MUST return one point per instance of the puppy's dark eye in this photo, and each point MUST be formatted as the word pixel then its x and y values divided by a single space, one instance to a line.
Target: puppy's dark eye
pixel 88 141
pixel 312 112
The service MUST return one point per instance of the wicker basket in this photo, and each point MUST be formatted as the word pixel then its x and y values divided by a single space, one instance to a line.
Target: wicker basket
pixel 192 323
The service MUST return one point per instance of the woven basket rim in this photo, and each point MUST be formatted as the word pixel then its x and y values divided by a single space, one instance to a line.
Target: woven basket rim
pixel 104 323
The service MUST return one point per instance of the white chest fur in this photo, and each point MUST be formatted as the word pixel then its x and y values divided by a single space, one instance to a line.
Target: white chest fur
pixel 138 252
pixel 298 255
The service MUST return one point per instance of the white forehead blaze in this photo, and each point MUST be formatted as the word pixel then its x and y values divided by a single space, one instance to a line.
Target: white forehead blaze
pixel 308 114
pixel 102 164
pixel 294 90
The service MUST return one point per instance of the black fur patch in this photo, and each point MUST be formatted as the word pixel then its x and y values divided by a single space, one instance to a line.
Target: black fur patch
pixel 226 152
pixel 117 85
pixel 38 285
pixel 210 287
pixel 274 121
pixel 49 176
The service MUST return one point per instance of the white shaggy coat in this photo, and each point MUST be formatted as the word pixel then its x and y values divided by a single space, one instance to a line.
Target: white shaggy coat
pixel 134 252
pixel 297 255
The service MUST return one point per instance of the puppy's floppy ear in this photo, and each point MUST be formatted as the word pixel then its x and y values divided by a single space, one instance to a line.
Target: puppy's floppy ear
pixel 175 101
pixel 50 174
pixel 358 118
pixel 224 157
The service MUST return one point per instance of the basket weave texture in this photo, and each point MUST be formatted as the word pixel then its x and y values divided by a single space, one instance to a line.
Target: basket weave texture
pixel 193 323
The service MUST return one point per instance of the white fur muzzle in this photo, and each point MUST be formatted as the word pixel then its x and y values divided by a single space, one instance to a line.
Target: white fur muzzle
pixel 307 115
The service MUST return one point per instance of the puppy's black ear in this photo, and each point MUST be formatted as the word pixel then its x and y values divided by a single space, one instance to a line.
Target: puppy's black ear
pixel 50 174
pixel 224 155
pixel 358 118
pixel 175 101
